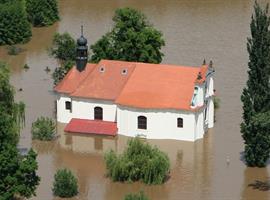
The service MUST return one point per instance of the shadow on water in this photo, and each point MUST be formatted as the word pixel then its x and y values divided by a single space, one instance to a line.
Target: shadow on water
pixel 260 185
pixel 256 184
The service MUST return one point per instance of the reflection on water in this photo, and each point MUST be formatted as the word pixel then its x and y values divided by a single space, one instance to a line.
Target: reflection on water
pixel 84 156
pixel 193 30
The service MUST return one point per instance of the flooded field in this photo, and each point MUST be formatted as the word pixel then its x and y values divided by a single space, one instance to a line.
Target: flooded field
pixel 193 30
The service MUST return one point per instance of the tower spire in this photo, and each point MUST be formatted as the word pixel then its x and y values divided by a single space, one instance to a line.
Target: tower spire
pixel 81 30
pixel 82 52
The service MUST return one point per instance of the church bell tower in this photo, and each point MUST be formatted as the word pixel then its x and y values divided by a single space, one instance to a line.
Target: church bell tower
pixel 82 52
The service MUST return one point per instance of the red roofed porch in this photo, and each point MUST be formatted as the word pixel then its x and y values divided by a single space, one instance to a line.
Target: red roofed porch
pixel 87 126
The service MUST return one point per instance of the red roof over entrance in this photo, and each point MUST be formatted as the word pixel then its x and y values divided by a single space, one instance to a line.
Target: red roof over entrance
pixel 97 127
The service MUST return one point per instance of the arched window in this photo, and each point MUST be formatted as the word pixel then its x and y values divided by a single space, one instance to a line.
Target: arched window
pixel 180 122
pixel 142 122
pixel 98 113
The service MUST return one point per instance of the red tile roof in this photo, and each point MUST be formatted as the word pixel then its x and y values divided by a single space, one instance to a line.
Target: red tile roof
pixel 144 85
pixel 159 86
pixel 105 85
pixel 203 73
pixel 97 127
pixel 73 79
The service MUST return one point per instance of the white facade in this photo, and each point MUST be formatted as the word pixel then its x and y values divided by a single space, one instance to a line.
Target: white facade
pixel 84 109
pixel 161 123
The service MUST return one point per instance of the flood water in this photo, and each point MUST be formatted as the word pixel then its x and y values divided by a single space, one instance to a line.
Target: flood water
pixel 193 30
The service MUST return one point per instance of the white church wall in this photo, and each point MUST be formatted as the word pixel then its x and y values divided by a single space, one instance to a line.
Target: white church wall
pixel 200 125
pixel 63 115
pixel 211 113
pixel 84 109
pixel 161 124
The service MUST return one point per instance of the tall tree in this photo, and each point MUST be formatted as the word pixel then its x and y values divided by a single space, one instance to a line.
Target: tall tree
pixel 42 12
pixel 17 172
pixel 132 38
pixel 256 95
pixel 257 150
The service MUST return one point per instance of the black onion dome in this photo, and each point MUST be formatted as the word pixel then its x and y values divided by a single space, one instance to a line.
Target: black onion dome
pixel 82 41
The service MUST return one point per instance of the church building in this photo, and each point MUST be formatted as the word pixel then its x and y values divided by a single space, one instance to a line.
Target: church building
pixel 154 101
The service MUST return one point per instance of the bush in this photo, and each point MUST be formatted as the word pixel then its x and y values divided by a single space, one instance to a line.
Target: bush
pixel 43 129
pixel 14 27
pixel 140 196
pixel 42 12
pixel 65 184
pixel 216 103
pixel 13 50
pixel 26 66
pixel 139 161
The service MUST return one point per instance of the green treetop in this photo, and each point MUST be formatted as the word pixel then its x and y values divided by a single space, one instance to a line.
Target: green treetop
pixel 14 27
pixel 132 38
pixel 139 162
pixel 64 50
pixel 65 184
pixel 42 12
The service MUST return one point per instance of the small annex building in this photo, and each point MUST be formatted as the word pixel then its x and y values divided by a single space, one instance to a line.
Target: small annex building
pixel 155 101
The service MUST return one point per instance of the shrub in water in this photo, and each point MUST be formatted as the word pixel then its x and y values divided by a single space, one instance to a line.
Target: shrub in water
pixel 26 66
pixel 13 50
pixel 43 129
pixel 139 161
pixel 216 102
pixel 140 196
pixel 65 184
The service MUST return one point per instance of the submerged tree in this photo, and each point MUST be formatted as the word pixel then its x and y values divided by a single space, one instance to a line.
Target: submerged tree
pixel 42 12
pixel 258 149
pixel 14 26
pixel 43 129
pixel 18 172
pixel 139 162
pixel 65 184
pixel 132 38
pixel 256 95
pixel 64 50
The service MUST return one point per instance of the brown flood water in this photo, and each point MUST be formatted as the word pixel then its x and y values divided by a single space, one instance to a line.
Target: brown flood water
pixel 193 30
